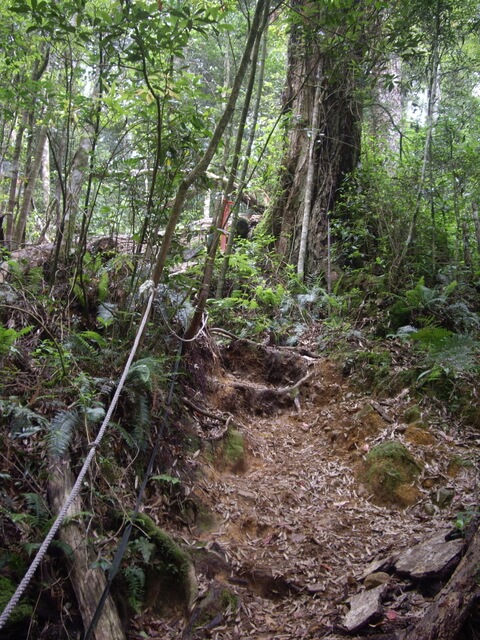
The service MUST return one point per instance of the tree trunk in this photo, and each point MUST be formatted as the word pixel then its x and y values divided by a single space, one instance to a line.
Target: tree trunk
pixel 77 177
pixel 87 582
pixel 241 195
pixel 202 166
pixel 19 234
pixel 334 60
pixel 451 607
pixel 13 189
pixel 236 153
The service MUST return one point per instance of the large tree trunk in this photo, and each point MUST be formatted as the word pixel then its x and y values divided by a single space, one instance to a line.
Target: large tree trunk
pixel 88 582
pixel 324 67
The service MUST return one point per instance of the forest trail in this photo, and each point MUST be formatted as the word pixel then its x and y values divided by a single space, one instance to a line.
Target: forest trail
pixel 294 523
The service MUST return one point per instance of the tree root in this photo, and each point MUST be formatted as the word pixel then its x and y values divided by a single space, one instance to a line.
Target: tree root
pixel 261 395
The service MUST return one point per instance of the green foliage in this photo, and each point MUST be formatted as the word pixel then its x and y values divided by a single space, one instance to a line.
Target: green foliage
pixel 465 518
pixel 38 510
pixel 135 584
pixel 23 611
pixel 22 422
pixel 8 338
pixel 65 424
pixel 62 429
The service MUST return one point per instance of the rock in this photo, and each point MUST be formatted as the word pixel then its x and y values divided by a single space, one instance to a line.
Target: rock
pixel 379 565
pixel 211 611
pixel 444 496
pixel 431 558
pixel 364 608
pixel 430 509
pixel 376 579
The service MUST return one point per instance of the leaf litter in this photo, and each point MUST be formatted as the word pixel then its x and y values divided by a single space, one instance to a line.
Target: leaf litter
pixel 296 526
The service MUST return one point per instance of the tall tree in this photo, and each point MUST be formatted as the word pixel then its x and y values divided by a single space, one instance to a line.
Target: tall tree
pixel 327 71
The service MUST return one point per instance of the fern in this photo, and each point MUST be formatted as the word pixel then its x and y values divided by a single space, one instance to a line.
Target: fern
pixel 141 421
pixel 103 282
pixel 456 354
pixel 144 547
pixel 22 421
pixel 128 437
pixel 38 509
pixel 135 579
pixel 61 431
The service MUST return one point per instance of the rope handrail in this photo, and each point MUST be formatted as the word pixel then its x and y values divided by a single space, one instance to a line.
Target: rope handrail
pixel 78 484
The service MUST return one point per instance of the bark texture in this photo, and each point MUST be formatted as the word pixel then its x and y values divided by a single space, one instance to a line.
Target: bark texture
pixel 87 582
pixel 325 68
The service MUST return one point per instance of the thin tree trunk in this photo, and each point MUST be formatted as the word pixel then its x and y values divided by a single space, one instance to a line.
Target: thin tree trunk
pixel 87 582
pixel 476 221
pixel 248 150
pixel 427 150
pixel 19 233
pixel 13 190
pixel 77 178
pixel 309 184
pixel 204 162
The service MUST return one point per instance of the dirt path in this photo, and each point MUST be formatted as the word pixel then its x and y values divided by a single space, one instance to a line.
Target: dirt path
pixel 296 525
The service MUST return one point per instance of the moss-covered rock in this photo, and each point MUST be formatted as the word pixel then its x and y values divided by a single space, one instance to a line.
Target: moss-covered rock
pixel 211 611
pixel 170 576
pixel 419 435
pixel 388 466
pixel 413 414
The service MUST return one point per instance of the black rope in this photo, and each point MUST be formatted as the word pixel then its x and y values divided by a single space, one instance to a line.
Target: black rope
pixel 122 547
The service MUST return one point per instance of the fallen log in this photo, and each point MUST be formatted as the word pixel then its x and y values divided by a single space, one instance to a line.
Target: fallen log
pixel 452 605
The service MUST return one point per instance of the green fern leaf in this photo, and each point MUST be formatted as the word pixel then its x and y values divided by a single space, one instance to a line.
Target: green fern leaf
pixel 135 579
pixel 144 547
pixel 37 507
pixel 61 431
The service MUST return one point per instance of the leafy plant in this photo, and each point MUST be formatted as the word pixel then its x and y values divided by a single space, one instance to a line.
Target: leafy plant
pixel 135 584
pixel 8 338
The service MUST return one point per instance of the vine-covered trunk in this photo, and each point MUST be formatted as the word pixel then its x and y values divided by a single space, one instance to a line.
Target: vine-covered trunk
pixel 323 80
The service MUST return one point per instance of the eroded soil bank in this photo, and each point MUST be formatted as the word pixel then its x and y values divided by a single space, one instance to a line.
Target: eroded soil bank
pixel 289 524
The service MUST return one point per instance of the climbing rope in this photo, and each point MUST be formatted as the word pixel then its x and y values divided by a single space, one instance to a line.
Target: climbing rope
pixel 122 547
pixel 78 484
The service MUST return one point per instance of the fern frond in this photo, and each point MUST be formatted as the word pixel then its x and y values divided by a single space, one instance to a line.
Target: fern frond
pixel 141 422
pixel 61 431
pixel 139 377
pixel 22 421
pixel 144 547
pixel 135 579
pixel 456 354
pixel 37 507
pixel 128 437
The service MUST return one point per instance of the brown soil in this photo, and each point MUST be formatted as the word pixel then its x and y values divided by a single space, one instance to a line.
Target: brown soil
pixel 297 513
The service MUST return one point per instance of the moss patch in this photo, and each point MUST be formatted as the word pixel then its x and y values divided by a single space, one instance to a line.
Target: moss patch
pixel 231 452
pixel 22 611
pixel 413 414
pixel 388 466
pixel 419 435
